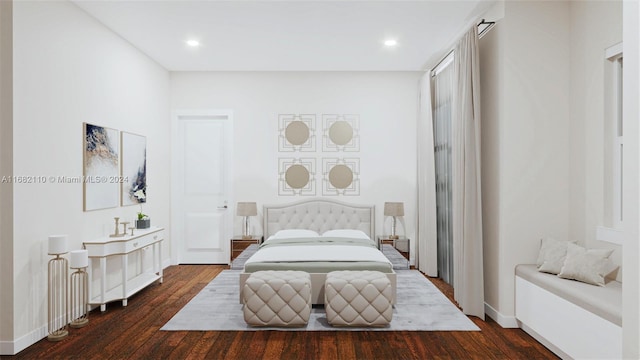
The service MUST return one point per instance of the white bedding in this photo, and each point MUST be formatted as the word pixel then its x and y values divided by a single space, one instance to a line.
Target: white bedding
pixel 308 253
pixel 319 216
pixel 293 233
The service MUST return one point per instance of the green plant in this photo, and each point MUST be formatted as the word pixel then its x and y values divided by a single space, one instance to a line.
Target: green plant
pixel 140 195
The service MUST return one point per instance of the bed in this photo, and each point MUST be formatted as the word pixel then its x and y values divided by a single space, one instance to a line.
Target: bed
pixel 320 236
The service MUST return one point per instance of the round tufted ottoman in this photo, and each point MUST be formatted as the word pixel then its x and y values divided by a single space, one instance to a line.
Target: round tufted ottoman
pixel 277 298
pixel 358 298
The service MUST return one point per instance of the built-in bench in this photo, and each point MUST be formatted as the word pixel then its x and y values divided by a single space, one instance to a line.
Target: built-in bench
pixel 573 319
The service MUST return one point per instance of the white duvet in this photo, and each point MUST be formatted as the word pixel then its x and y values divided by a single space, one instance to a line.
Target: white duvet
pixel 310 253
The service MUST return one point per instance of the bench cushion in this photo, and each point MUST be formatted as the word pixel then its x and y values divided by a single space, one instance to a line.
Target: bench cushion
pixel 277 298
pixel 604 301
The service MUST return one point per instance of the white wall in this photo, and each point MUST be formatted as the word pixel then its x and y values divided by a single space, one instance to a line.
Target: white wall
pixel 543 102
pixel 386 103
pixel 631 179
pixel 595 26
pixel 6 189
pixel 69 69
pixel 491 92
pixel 525 114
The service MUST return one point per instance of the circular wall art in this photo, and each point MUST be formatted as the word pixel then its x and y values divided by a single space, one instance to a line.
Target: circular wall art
pixel 297 132
pixel 340 176
pixel 297 176
pixel 341 132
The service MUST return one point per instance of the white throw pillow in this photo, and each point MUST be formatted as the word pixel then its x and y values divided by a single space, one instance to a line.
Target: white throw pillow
pixel 551 256
pixel 294 233
pixel 586 265
pixel 346 233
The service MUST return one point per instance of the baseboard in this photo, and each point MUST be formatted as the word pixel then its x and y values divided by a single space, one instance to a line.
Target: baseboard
pixel 544 341
pixel 502 320
pixel 14 347
pixel 166 263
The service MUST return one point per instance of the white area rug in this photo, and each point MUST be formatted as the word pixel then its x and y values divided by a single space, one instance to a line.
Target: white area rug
pixel 420 307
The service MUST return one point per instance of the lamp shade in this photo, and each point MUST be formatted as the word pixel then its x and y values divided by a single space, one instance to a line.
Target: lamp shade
pixel 58 244
pixel 247 209
pixel 394 209
pixel 79 259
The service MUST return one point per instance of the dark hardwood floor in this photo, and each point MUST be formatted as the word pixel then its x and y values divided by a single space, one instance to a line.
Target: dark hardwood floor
pixel 133 332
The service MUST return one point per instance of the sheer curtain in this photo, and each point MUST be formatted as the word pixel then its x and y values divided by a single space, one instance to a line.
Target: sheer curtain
pixel 443 89
pixel 426 259
pixel 468 278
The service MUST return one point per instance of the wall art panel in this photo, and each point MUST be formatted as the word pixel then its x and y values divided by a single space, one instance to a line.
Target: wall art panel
pixel 340 133
pixel 101 170
pixel 134 169
pixel 297 132
pixel 296 176
pixel 340 176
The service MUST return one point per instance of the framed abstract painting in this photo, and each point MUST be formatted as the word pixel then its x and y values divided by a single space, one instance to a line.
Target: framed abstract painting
pixel 134 169
pixel 101 170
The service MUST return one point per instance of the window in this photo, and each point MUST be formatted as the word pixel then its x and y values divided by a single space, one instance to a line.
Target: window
pixel 614 56
pixel 442 97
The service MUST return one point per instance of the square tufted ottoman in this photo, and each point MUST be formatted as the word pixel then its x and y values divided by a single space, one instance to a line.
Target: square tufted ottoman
pixel 358 298
pixel 277 298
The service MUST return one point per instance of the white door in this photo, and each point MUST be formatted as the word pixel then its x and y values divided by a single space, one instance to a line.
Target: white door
pixel 201 187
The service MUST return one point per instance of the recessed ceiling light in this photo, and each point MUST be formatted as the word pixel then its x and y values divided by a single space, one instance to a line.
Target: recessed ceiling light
pixel 390 42
pixel 193 43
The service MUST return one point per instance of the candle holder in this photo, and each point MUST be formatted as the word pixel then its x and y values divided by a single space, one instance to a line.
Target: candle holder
pixel 117 234
pixel 124 227
pixel 57 289
pixel 79 289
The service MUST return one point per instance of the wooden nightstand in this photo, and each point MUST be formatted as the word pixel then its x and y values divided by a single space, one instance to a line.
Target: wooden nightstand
pixel 401 244
pixel 238 244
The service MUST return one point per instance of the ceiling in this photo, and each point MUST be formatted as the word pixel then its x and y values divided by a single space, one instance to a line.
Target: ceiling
pixel 289 35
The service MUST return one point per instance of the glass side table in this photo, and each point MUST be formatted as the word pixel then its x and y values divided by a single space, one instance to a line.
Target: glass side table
pixel 402 244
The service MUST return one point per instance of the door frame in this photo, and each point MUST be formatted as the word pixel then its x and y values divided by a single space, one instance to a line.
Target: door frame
pixel 176 116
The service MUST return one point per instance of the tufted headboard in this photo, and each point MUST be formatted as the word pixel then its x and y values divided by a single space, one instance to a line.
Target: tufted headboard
pixel 319 215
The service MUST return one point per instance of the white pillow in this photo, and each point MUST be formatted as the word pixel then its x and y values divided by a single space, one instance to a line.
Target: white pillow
pixel 346 233
pixel 294 233
pixel 586 265
pixel 552 255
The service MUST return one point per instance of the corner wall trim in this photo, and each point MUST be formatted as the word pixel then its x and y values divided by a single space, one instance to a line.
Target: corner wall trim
pixel 502 320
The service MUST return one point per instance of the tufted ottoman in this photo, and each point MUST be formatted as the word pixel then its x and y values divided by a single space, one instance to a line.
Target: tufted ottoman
pixel 277 298
pixel 358 298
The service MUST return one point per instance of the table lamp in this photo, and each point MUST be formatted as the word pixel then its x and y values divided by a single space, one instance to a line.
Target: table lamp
pixel 246 209
pixel 393 209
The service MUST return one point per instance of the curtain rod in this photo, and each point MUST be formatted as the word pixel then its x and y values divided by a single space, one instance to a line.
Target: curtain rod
pixel 488 25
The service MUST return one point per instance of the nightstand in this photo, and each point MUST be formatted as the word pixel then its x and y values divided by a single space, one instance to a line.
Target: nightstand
pixel 238 244
pixel 401 244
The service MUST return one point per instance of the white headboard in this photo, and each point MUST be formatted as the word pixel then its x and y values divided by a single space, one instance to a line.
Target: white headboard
pixel 319 215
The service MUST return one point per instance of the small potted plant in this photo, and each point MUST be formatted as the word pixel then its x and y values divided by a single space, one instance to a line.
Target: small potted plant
pixel 143 221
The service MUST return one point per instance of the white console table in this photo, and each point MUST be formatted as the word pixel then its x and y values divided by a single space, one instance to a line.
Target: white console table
pixel 122 246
